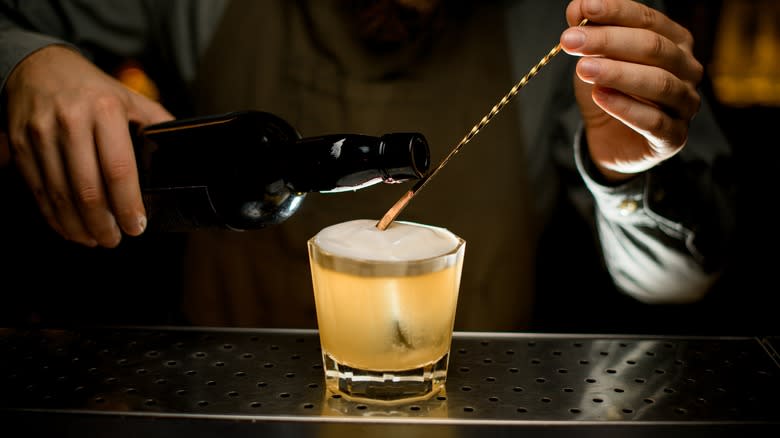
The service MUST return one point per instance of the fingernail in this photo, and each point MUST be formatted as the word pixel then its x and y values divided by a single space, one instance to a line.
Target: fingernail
pixel 593 7
pixel 141 224
pixel 588 68
pixel 573 38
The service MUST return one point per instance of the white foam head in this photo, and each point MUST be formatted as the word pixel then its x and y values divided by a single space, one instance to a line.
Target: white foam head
pixel 361 239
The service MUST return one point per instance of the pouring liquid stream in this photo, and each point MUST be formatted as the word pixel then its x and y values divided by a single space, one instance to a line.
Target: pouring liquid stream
pixel 396 209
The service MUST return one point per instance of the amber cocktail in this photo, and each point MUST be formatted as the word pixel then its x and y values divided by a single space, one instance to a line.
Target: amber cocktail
pixel 386 304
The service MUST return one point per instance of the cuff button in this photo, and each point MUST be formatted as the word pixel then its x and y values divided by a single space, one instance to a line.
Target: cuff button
pixel 627 206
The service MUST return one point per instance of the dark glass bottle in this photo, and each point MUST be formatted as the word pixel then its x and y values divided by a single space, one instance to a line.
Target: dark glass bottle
pixel 250 169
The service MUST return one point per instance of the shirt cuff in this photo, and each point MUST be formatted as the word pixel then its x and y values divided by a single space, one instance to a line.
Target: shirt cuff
pixel 621 202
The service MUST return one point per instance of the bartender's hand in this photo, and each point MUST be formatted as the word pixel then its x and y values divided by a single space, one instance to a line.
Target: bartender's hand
pixel 636 83
pixel 68 132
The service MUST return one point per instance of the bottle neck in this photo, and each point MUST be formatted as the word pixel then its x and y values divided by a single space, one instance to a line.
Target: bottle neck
pixel 341 162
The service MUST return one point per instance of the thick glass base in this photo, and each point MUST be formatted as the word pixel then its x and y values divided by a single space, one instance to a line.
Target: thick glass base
pixel 385 387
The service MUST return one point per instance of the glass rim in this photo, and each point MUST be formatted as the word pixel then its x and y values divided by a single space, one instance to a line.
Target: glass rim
pixel 377 268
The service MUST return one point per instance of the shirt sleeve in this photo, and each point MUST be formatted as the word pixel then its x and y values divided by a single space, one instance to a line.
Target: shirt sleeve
pixel 119 27
pixel 175 32
pixel 664 234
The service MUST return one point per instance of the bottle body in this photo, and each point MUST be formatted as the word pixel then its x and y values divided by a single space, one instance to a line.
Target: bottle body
pixel 250 169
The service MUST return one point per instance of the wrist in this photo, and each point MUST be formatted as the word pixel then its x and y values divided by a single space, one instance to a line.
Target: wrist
pixel 593 169
pixel 606 175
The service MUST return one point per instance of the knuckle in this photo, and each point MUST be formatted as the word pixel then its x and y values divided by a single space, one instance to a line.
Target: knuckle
pixel 107 104
pixel 17 141
pixel 59 199
pixel 667 86
pixel 36 131
pixel 695 102
pixel 69 108
pixel 647 17
pixel 687 38
pixel 70 119
pixel 89 196
pixel 698 71
pixel 657 46
pixel 40 195
pixel 602 40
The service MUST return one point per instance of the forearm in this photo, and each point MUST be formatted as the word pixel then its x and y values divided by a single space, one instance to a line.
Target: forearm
pixel 16 45
pixel 26 27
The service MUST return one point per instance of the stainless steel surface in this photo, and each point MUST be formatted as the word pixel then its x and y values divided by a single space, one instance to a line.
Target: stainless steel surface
pixel 502 381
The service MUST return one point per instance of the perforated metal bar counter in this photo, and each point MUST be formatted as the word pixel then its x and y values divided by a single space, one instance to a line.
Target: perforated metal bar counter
pixel 168 381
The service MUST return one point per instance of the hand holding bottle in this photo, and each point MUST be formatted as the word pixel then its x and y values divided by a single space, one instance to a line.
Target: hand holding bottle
pixel 68 132
pixel 636 83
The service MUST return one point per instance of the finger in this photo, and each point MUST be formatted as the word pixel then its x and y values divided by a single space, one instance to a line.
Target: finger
pixel 632 14
pixel 648 83
pixel 58 190
pixel 117 161
pixel 665 134
pixel 87 185
pixel 632 45
pixel 27 165
pixel 145 111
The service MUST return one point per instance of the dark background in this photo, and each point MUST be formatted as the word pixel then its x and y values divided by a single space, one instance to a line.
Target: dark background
pixel 745 299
